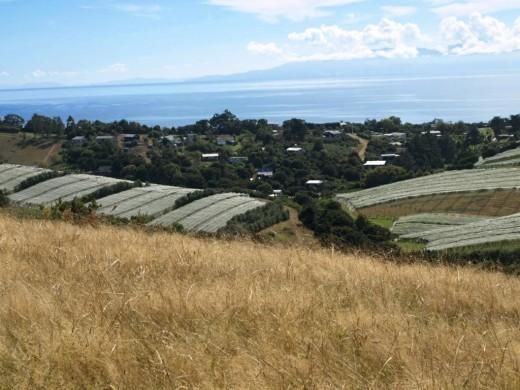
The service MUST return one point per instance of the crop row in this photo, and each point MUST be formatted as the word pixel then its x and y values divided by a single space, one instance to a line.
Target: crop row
pixel 500 163
pixel 505 157
pixel 13 175
pixel 150 201
pixel 209 214
pixel 425 222
pixel 63 188
pixel 441 183
pixel 482 232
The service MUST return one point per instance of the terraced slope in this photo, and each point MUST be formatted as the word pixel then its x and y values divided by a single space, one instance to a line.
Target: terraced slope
pixel 13 175
pixel 151 201
pixel 482 232
pixel 442 183
pixel 507 158
pixel 419 223
pixel 65 188
pixel 209 214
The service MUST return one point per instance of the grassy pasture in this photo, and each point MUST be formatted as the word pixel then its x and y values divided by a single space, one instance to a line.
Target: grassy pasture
pixel 29 151
pixel 106 307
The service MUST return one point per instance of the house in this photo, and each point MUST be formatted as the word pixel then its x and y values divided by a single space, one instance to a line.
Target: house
pixel 376 163
pixel 79 140
pixel 389 156
pixel 173 140
pixel 210 156
pixel 226 140
pixel 265 173
pixel 238 159
pixel 130 137
pixel 105 138
pixel 276 194
pixel 332 135
pixel 436 133
pixel 130 140
pixel 294 149
pixel 396 136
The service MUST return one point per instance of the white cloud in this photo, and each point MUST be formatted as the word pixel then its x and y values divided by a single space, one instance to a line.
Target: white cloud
pixel 4 74
pixel 270 48
pixel 388 39
pixel 463 8
pixel 397 11
pixel 274 10
pixel 476 34
pixel 479 34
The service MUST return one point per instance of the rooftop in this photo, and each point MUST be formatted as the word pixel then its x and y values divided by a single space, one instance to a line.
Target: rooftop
pixel 377 163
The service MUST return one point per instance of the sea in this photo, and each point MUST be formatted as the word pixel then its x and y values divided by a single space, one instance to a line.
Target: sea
pixel 472 98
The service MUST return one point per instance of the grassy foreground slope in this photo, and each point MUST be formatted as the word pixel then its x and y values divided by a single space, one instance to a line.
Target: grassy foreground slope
pixel 117 308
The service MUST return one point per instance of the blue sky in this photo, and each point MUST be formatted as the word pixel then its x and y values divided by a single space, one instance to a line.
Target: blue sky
pixel 91 41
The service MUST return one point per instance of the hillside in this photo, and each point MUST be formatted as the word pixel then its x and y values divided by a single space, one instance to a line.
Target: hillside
pixel 103 308
pixel 29 151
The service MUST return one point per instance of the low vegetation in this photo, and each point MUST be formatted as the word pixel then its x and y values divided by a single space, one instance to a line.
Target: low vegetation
pixel 258 219
pixel 333 226
pixel 169 311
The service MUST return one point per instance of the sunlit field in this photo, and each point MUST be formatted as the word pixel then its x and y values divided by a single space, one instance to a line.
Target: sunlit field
pixel 84 307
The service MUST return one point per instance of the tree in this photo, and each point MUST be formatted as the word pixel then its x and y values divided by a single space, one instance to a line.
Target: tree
pixel 385 175
pixel 449 149
pixel 58 127
pixel 225 122
pixel 294 130
pixel 498 124
pixel 473 137
pixel 515 123
pixel 39 124
pixel 14 120
pixel 70 129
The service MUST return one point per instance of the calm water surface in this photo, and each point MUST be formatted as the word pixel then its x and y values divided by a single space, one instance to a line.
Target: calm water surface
pixel 418 99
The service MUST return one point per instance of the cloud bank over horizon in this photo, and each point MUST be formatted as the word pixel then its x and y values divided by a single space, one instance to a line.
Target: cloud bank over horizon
pixel 476 34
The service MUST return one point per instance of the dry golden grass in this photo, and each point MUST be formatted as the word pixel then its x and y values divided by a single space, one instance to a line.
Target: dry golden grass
pixel 84 307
